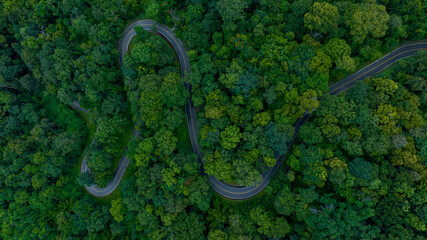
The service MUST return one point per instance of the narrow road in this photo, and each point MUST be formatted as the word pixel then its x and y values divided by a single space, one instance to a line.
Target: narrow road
pixel 117 176
pixel 225 190
pixel 77 106
pixel 335 89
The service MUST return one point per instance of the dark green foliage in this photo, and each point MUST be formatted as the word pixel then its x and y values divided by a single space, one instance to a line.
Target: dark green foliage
pixel 355 171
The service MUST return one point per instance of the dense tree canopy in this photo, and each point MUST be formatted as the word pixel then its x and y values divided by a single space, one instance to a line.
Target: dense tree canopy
pixel 357 169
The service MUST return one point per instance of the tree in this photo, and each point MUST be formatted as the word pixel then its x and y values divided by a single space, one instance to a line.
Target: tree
pixel 300 7
pixel 269 161
pixel 109 129
pixel 85 178
pixel 231 10
pixel 340 52
pixel 216 234
pixel 166 141
pixel 346 63
pixel 367 19
pixel 231 77
pixel 261 119
pixel 310 133
pixel 214 112
pixel 323 17
pixel 117 210
pixel 150 102
pixel 384 85
pixel 321 63
pixel 280 228
pixel 337 48
pixel 152 10
pixel 377 145
pixel 230 137
pixel 174 118
pixel 141 53
pixel 308 101
pixel 172 91
pixel 188 226
pixel 278 136
pixel 285 201
pixel 144 151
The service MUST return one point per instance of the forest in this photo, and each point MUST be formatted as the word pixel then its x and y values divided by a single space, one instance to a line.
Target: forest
pixel 356 170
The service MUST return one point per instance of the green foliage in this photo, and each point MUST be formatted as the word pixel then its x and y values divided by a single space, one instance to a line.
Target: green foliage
pixel 231 10
pixel 323 17
pixel 261 119
pixel 140 53
pixel 230 137
pixel 355 171
pixel 116 210
pixel 153 9
pixel 368 19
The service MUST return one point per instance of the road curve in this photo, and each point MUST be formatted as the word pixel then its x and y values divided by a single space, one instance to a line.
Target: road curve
pixel 118 173
pixel 225 190
pixel 237 192
pixel 167 34
pixel 335 89
pixel 229 191
pixel 117 176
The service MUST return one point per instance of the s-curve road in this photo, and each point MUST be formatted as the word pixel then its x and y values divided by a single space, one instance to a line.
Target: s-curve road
pixel 167 34
pixel 335 89
pixel 117 176
pixel 118 173
pixel 228 191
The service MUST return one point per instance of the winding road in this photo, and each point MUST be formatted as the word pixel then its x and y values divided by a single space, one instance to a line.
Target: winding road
pixel 118 173
pixel 226 190
pixel 117 176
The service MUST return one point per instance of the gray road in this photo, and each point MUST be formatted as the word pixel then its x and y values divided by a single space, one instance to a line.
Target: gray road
pixel 335 89
pixel 118 173
pixel 77 106
pixel 226 190
pixel 117 176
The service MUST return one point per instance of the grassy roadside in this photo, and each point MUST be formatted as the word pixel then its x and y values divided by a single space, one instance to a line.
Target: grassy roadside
pixel 233 204
pixel 64 116
pixel 72 120
pixel 184 143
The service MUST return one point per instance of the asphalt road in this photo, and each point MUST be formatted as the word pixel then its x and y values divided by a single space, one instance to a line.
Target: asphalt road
pixel 77 106
pixel 337 88
pixel 117 176
pixel 226 190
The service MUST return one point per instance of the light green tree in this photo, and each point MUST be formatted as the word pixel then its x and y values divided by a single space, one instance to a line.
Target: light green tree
pixel 323 17
pixel 321 63
pixel 346 63
pixel 261 119
pixel 117 210
pixel 230 137
pixel 337 48
pixel 269 161
pixel 367 19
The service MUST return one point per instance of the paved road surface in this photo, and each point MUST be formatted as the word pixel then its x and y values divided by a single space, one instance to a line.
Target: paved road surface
pixel 77 106
pixel 226 190
pixel 236 192
pixel 335 89
pixel 117 176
